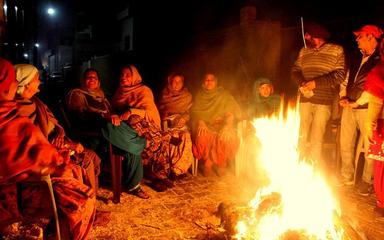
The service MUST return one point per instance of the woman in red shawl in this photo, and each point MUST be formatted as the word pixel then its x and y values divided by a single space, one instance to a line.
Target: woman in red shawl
pixel 214 113
pixel 174 105
pixel 26 154
pixel 134 102
pixel 375 127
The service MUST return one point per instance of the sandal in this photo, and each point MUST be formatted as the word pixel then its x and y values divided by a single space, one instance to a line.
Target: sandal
pixel 158 185
pixel 139 192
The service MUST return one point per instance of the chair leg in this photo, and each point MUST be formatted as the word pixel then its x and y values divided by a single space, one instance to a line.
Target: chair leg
pixel 47 179
pixel 195 166
pixel 116 174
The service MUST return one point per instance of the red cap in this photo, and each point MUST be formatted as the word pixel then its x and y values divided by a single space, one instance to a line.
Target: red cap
pixel 370 29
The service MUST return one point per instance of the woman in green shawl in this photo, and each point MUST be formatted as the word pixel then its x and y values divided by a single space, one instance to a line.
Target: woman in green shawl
pixel 264 101
pixel 213 114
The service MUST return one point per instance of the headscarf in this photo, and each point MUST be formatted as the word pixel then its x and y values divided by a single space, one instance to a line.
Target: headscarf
pixel 7 74
pixel 90 100
pixel 24 75
pixel 211 104
pixel 136 96
pixel 175 102
pixel 259 105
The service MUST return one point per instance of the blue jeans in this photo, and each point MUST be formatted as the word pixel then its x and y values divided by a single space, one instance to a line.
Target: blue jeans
pixel 353 120
pixel 313 123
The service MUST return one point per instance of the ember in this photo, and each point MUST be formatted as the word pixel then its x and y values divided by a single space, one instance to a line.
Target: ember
pixel 297 204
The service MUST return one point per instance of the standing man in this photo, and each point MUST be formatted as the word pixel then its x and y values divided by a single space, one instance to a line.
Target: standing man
pixel 318 70
pixel 354 101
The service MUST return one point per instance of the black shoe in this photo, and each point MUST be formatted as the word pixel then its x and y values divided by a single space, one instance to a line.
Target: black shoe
pixel 365 189
pixel 158 185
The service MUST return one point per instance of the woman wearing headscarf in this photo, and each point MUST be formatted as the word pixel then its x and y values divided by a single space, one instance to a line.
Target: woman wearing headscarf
pixel 26 155
pixel 32 107
pixel 264 101
pixel 174 105
pixel 90 110
pixel 135 103
pixel 213 114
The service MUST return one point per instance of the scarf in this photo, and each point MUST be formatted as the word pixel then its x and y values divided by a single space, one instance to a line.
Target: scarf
pixel 175 102
pixel 38 113
pixel 136 96
pixel 211 104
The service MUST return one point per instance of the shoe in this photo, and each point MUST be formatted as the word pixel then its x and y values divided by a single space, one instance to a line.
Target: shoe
pixel 379 210
pixel 158 186
pixel 343 182
pixel 364 189
pixel 139 192
pixel 168 182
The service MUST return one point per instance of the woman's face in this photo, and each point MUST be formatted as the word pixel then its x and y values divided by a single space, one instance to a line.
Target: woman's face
pixel 126 77
pixel 177 83
pixel 32 87
pixel 210 82
pixel 92 81
pixel 265 90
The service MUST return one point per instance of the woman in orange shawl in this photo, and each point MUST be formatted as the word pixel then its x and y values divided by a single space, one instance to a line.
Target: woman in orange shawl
pixel 26 154
pixel 214 113
pixel 134 102
pixel 174 105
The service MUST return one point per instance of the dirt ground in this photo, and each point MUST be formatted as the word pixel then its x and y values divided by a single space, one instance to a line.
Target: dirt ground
pixel 187 211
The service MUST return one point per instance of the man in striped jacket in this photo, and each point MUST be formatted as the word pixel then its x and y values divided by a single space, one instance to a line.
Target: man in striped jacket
pixel 319 69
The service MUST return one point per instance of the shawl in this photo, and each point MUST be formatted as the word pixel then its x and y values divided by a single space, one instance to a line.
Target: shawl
pixel 211 104
pixel 375 81
pixel 137 98
pixel 38 113
pixel 262 106
pixel 7 74
pixel 23 148
pixel 83 99
pixel 174 102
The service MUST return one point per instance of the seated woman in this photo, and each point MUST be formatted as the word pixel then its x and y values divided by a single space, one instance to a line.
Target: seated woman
pixel 32 107
pixel 90 110
pixel 213 114
pixel 135 103
pixel 27 155
pixel 174 105
pixel 264 101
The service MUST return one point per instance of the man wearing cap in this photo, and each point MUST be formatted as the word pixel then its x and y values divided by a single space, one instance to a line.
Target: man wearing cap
pixel 354 101
pixel 318 70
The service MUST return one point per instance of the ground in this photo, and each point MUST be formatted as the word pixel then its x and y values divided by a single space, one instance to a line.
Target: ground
pixel 187 211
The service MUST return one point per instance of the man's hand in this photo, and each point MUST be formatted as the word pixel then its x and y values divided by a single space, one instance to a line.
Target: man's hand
pixel 344 102
pixel 310 85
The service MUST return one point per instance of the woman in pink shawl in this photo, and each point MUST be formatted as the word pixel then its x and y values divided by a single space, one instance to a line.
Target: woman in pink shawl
pixel 214 113
pixel 27 155
pixel 174 105
pixel 134 102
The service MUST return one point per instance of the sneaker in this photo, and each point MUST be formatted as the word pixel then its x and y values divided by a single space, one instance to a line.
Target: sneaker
pixel 364 189
pixel 340 182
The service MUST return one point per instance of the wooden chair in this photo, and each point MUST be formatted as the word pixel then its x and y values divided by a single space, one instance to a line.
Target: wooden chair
pixel 115 158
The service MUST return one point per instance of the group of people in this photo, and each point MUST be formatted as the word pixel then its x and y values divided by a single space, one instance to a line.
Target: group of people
pixel 160 139
pixel 324 73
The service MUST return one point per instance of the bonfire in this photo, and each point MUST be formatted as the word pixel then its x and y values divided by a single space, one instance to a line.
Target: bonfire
pixel 297 203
